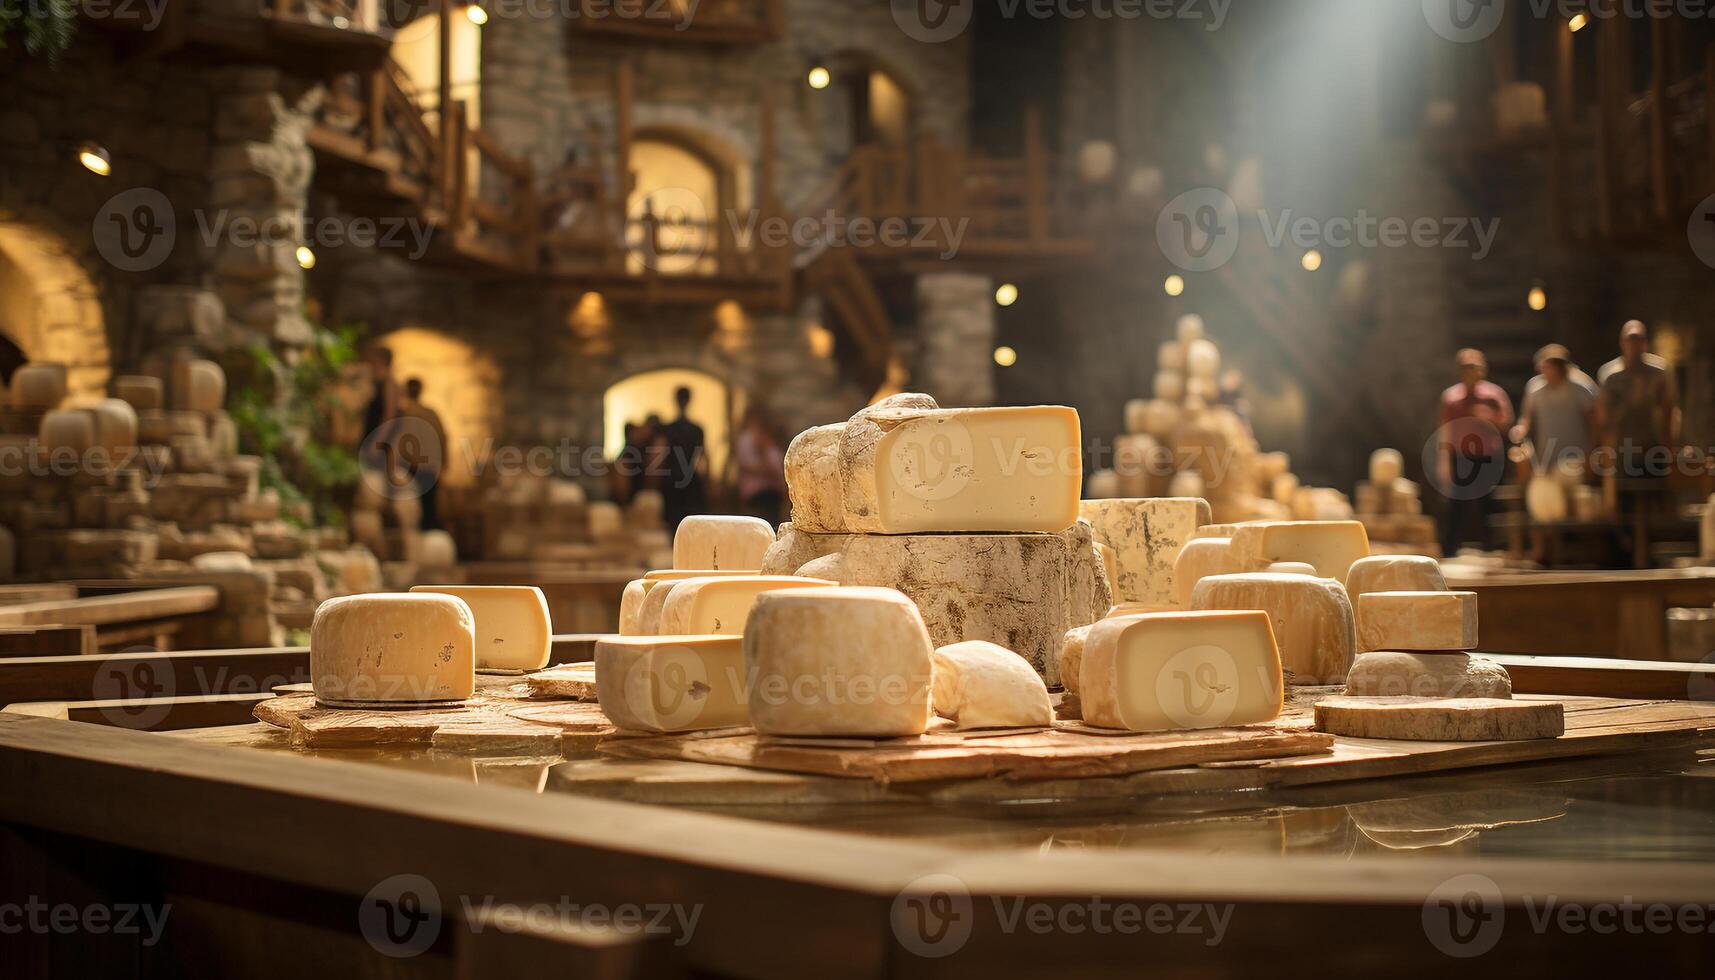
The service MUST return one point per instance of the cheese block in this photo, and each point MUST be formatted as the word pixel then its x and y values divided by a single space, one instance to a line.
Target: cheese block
pixel 838 662
pixel 708 606
pixel 513 631
pixel 1071 657
pixel 1110 567
pixel 38 387
pixel 813 479
pixel 1146 536
pixel 1395 573
pixel 631 606
pixel 905 471
pixel 606 520
pixel 115 424
pixel 1312 619
pixel 671 683
pixel 1386 466
pixel 392 649
pixel 1293 568
pixel 721 541
pixel 981 685
pixel 67 431
pixel 1395 674
pixel 1332 546
pixel 1021 591
pixel 141 391
pixel 645 618
pixel 1199 559
pixel 1181 670
pixel 198 386
pixel 1413 621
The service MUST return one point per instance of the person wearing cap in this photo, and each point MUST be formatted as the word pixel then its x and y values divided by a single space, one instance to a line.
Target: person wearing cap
pixel 1474 415
pixel 1639 411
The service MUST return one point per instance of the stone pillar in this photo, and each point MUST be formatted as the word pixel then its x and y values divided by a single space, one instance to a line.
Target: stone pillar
pixel 956 331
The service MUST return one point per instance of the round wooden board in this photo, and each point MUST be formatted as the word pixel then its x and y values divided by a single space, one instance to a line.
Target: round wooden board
pixel 1441 720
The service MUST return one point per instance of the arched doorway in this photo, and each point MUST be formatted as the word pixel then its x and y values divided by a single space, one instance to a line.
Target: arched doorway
pixel 636 398
pixel 674 215
pixel 461 384
pixel 49 308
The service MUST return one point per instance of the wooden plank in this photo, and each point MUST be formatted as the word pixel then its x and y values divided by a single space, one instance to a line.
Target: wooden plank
pixel 47 641
pixel 12 595
pixel 497 723
pixel 149 714
pixel 124 675
pixel 1441 719
pixel 1605 614
pixel 1594 677
pixel 129 607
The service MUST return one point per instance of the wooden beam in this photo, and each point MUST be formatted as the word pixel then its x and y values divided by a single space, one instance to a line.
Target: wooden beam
pixel 47 641
pixel 150 714
pixel 1606 678
pixel 125 675
pixel 127 607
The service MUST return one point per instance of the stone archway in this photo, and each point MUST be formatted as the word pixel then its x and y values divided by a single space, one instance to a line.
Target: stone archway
pixel 49 308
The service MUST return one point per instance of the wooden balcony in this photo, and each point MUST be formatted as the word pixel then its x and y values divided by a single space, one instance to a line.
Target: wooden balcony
pixel 683 21
pixel 321 37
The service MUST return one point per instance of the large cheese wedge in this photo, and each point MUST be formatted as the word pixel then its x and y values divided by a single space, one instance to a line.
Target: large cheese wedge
pixel 906 471
pixel 198 386
pixel 1312 619
pixel 38 387
pixel 1181 670
pixel 1395 573
pixel 1412 621
pixel 981 685
pixel 722 542
pixel 513 630
pixel 704 606
pixel 1146 536
pixel 838 661
pixel 1332 546
pixel 392 648
pixel 1199 559
pixel 631 602
pixel 143 392
pixel 658 586
pixel 671 683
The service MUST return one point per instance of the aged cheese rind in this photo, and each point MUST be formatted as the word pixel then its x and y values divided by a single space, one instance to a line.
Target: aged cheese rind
pixel 813 479
pixel 858 446
pixel 658 587
pixel 1312 619
pixel 981 685
pixel 1199 559
pixel 631 606
pixel 672 683
pixel 1181 670
pixel 1146 536
pixel 906 471
pixel 720 606
pixel 838 662
pixel 1399 674
pixel 1331 546
pixel 513 629
pixel 1417 621
pixel 393 648
pixel 722 541
pixel 1070 659
pixel 1395 573
pixel 1021 591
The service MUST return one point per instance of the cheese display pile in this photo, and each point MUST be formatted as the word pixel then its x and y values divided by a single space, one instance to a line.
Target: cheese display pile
pixel 1415 634
pixel 1391 507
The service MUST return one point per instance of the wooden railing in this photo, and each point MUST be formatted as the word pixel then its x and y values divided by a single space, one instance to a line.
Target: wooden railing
pixel 344 15
pixel 694 21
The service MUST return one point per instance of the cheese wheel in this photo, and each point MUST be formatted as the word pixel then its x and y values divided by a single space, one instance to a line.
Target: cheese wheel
pixel 1395 573
pixel 1146 536
pixel 198 386
pixel 392 648
pixel 1332 546
pixel 1170 386
pixel 66 431
pixel 709 606
pixel 1312 619
pixel 1071 657
pixel 721 542
pixel 983 685
pixel 1170 356
pixel 437 550
pixel 1293 568
pixel 115 424
pixel 1202 360
pixel 813 479
pixel 1386 466
pixel 1417 621
pixel 1189 328
pixel 1395 674
pixel 1102 485
pixel 38 387
pixel 513 629
pixel 1161 418
pixel 1198 559
pixel 1181 670
pixel 631 606
pixel 671 683
pixel 606 520
pixel 838 662
pixel 143 392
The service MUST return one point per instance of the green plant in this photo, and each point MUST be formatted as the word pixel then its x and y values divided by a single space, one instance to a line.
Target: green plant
pixel 285 410
pixel 47 26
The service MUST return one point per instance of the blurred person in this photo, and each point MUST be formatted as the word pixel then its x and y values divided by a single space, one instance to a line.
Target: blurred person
pixel 761 466
pixel 381 409
pixel 684 488
pixel 425 462
pixel 1639 410
pixel 1558 421
pixel 625 478
pixel 1474 415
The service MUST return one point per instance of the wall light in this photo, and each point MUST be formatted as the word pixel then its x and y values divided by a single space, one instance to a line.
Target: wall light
pixel 1312 261
pixel 1006 295
pixel 820 78
pixel 1578 22
pixel 95 159
pixel 306 257
pixel 1005 356
pixel 1175 285
pixel 476 15
pixel 1538 298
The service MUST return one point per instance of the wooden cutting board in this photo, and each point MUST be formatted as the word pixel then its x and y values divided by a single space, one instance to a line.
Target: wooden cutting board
pixel 1441 719
pixel 489 724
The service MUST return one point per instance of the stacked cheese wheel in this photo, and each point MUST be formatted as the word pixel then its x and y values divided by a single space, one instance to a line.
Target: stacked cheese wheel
pixel 1391 506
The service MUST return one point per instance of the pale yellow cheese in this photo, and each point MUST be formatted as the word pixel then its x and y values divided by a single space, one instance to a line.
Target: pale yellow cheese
pixel 1071 657
pixel 1395 573
pixel 1181 670
pixel 838 662
pixel 1417 621
pixel 906 471
pixel 392 648
pixel 813 479
pixel 705 606
pixel 1147 536
pixel 1293 568
pixel 513 630
pixel 1331 546
pixel 631 606
pixel 1198 559
pixel 671 683
pixel 979 684
pixel 1312 619
pixel 645 620
pixel 722 541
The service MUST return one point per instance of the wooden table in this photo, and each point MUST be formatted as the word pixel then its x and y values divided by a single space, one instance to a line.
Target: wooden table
pixel 1597 614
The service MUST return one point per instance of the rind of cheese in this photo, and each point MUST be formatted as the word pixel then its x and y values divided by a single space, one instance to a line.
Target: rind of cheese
pixel 1398 674
pixel 392 648
pixel 646 620
pixel 1332 546
pixel 858 446
pixel 722 541
pixel 1071 657
pixel 720 606
pixel 1199 559
pixel 198 386
pixel 1312 619
pixel 982 685
pixel 38 387
pixel 1021 591
pixel 838 662
pixel 907 471
pixel 1293 568
pixel 1417 621
pixel 1395 573
pixel 1146 536
pixel 671 683
pixel 513 628
pixel 1110 567
pixel 1181 670
pixel 813 479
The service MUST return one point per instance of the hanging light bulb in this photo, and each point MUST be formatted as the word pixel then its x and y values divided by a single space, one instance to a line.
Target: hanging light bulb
pixel 306 257
pixel 1578 22
pixel 1005 356
pixel 820 78
pixel 476 15
pixel 1312 261
pixel 1175 285
pixel 1538 298
pixel 95 158
pixel 1006 295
